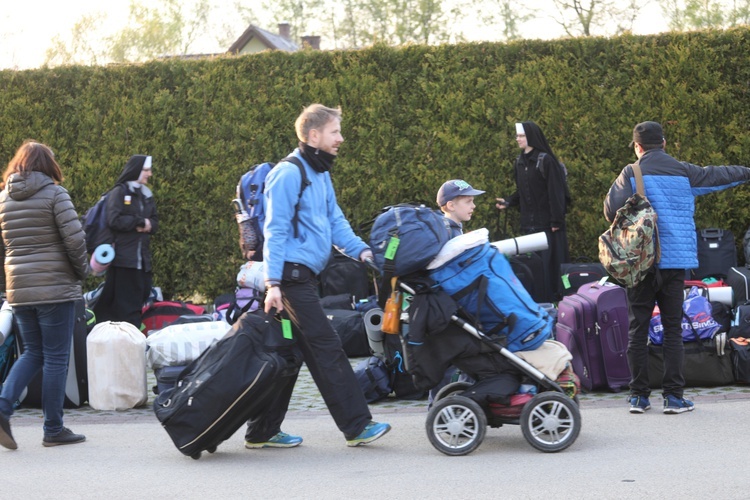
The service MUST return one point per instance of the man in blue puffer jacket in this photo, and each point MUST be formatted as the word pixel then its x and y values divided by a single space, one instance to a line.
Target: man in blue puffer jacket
pixel 671 186
pixel 297 248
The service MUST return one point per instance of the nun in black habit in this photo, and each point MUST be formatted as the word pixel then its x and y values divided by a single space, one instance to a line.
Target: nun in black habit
pixel 131 216
pixel 543 198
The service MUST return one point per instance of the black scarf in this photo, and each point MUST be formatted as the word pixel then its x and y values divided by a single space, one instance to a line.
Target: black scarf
pixel 318 159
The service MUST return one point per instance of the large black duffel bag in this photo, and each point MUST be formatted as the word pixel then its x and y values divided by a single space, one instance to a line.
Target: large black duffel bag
pixel 230 383
pixel 703 365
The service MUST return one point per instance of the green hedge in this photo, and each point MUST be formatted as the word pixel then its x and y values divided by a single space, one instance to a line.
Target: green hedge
pixel 413 118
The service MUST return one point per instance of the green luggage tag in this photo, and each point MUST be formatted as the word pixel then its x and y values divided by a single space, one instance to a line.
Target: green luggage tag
pixel 566 281
pixel 286 329
pixel 390 251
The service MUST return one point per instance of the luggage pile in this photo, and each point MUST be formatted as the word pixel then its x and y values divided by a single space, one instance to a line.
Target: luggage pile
pixel 593 323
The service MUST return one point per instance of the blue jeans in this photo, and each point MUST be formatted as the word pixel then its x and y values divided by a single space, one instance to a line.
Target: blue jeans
pixel 47 333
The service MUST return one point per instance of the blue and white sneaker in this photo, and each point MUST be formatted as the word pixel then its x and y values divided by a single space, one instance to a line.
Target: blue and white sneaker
pixel 280 440
pixel 639 404
pixel 674 405
pixel 372 431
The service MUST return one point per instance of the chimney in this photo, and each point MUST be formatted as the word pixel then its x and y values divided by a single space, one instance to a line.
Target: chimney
pixel 312 41
pixel 284 30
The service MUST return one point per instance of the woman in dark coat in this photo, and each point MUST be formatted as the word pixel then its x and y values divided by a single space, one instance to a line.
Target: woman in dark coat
pixel 44 261
pixel 542 196
pixel 132 218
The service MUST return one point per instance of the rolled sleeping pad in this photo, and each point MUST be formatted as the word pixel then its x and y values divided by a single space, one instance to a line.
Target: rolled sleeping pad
pixel 102 258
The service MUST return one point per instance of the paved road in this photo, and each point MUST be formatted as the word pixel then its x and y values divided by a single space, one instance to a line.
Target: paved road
pixel 617 455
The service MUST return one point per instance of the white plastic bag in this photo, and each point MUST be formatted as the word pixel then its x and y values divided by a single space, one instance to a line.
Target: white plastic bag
pixel 6 321
pixel 116 353
pixel 178 345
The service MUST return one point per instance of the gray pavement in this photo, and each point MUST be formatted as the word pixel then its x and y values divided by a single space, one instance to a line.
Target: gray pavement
pixel 306 399
pixel 617 455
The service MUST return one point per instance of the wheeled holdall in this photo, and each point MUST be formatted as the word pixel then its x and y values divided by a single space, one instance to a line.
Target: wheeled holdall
pixel 593 324
pixel 230 383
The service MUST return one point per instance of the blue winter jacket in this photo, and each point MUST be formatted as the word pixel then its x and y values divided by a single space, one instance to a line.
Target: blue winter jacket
pixel 321 221
pixel 671 186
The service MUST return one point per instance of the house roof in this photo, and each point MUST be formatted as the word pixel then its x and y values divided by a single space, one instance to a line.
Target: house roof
pixel 270 40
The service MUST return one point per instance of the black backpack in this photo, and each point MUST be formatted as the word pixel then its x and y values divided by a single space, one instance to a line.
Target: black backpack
pixel 539 160
pixel 95 225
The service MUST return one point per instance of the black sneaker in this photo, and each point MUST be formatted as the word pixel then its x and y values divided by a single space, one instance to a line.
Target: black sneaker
pixel 6 438
pixel 66 436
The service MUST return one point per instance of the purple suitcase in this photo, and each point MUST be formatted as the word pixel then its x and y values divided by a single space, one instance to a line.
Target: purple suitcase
pixel 593 325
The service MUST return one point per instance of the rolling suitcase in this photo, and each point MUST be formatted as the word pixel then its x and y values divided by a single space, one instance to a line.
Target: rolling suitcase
pixel 576 274
pixel 716 254
pixel 230 383
pixel 593 325
pixel 534 277
pixel 77 382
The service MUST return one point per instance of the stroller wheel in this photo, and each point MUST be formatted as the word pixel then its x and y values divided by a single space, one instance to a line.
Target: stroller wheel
pixel 451 388
pixel 550 422
pixel 456 425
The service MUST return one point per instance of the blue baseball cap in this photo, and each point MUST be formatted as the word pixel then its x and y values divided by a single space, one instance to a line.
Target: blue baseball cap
pixel 454 188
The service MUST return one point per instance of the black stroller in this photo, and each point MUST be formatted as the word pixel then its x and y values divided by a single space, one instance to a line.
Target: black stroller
pixel 461 411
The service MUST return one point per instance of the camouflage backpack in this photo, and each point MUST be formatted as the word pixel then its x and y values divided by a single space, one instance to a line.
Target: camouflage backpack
pixel 630 247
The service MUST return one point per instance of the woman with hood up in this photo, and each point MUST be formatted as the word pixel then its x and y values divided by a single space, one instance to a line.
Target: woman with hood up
pixel 542 196
pixel 44 262
pixel 132 218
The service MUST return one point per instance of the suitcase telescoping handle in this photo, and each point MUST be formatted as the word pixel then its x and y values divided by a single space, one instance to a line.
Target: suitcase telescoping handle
pixel 712 233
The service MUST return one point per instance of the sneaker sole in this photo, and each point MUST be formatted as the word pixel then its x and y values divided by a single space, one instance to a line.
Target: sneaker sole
pixel 259 446
pixel 675 411
pixel 360 442
pixel 638 409
pixel 7 442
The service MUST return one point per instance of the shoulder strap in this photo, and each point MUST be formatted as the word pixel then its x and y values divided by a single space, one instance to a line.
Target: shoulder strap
pixel 639 188
pixel 539 161
pixel 305 182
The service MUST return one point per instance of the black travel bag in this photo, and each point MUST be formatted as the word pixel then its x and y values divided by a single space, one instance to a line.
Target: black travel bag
pixel 232 382
pixel 343 274
pixel 350 327
pixel 77 380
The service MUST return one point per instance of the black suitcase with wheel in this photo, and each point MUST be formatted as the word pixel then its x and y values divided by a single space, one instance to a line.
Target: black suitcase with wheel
pixel 77 381
pixel 529 269
pixel 573 275
pixel 230 383
pixel 716 254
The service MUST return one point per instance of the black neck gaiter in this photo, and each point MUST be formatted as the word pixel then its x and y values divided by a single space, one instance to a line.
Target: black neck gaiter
pixel 318 159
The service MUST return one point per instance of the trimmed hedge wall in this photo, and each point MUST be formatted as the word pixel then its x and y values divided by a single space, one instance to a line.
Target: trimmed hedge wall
pixel 413 118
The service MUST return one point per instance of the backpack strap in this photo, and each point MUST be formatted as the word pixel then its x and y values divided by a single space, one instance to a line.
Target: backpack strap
pixel 305 182
pixel 539 160
pixel 639 188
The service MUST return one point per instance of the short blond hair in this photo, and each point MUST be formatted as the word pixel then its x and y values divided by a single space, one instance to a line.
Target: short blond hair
pixel 315 116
